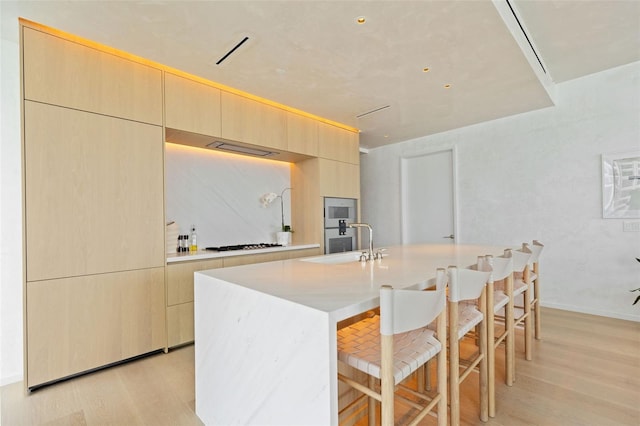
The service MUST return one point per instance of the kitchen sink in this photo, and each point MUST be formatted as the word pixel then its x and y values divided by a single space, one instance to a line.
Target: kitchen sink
pixel 334 259
pixel 337 258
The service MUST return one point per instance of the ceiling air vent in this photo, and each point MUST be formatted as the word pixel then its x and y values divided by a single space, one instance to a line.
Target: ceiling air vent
pixel 372 111
pixel 232 50
pixel 513 12
pixel 239 149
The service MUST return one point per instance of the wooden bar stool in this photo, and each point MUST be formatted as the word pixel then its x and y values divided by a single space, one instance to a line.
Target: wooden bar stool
pixel 520 283
pixel 467 286
pixel 392 346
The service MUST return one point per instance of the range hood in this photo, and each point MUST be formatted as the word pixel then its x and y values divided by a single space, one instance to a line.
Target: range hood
pixel 240 149
pixel 182 137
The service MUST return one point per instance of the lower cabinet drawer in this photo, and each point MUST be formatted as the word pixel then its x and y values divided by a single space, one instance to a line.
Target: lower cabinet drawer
pixel 180 324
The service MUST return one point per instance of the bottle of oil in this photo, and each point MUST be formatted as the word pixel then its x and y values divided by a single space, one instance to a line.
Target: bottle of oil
pixel 194 242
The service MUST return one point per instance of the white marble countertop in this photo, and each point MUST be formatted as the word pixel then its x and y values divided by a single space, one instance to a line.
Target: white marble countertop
pixel 210 254
pixel 346 289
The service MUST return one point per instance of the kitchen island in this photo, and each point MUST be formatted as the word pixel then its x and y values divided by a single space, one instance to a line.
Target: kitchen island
pixel 265 334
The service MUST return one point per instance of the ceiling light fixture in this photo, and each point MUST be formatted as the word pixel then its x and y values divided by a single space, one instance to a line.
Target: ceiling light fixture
pixel 447 86
pixel 425 69
pixel 361 20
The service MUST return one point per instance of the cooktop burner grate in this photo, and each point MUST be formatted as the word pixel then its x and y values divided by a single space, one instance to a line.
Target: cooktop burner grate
pixel 243 247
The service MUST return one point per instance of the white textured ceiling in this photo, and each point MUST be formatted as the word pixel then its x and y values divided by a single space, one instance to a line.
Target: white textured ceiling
pixel 313 56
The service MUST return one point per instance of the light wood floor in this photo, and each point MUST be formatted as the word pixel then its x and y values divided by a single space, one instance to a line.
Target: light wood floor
pixel 586 371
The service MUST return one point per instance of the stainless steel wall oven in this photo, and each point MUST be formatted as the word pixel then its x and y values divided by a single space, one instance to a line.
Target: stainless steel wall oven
pixel 339 212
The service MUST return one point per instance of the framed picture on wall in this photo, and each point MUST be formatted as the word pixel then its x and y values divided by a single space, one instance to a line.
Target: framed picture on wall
pixel 621 185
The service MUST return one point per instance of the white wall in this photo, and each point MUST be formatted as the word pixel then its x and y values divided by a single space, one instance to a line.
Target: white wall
pixel 537 176
pixel 10 217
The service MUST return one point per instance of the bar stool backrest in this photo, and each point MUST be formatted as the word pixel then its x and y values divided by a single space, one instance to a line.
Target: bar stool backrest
pixel 520 258
pixel 535 249
pixel 501 267
pixel 406 310
pixel 466 284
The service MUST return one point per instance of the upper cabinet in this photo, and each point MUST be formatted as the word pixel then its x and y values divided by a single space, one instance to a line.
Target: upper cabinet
pixel 191 106
pixel 102 82
pixel 338 144
pixel 339 179
pixel 302 134
pixel 253 122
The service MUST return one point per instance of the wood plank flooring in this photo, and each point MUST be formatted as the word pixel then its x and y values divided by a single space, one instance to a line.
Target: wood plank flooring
pixel 585 371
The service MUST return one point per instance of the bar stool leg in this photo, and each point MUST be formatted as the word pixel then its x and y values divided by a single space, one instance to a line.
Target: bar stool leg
pixel 528 326
pixel 510 338
pixel 491 351
pixel 387 385
pixel 536 307
pixel 482 343
pixel 372 403
pixel 454 364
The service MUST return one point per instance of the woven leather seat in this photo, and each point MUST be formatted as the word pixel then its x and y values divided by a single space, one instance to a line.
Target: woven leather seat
pixel 359 347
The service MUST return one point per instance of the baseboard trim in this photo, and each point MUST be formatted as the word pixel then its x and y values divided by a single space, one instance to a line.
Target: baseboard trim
pixel 598 312
pixel 8 380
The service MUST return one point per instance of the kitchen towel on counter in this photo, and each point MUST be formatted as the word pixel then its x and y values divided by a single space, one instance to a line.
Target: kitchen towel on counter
pixel 173 230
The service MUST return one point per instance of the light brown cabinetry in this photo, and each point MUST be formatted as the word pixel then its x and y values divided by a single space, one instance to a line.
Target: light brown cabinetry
pixel 255 258
pixel 338 179
pixel 94 193
pixel 80 323
pixel 93 206
pixel 66 73
pixel 319 178
pixel 252 122
pixel 191 106
pixel 302 134
pixel 338 144
pixel 180 325
pixel 180 279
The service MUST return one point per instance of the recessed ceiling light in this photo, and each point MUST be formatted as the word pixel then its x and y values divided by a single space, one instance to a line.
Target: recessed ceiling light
pixel 361 20
pixel 447 86
pixel 425 69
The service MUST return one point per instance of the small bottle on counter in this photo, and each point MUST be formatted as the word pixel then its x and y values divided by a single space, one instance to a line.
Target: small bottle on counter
pixel 183 243
pixel 194 242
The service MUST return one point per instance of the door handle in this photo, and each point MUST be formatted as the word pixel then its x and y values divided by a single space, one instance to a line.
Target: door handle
pixel 451 237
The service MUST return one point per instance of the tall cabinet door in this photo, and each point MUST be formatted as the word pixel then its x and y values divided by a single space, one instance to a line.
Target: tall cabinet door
pixel 93 193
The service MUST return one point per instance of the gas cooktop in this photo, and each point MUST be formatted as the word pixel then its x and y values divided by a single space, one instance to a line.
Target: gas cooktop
pixel 243 247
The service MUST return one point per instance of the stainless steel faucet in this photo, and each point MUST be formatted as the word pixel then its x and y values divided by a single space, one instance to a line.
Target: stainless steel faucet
pixel 365 225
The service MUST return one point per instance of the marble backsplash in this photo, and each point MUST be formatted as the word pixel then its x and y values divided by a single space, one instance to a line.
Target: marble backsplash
pixel 220 194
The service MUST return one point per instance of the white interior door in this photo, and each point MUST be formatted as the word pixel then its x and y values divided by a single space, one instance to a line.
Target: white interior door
pixel 428 198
